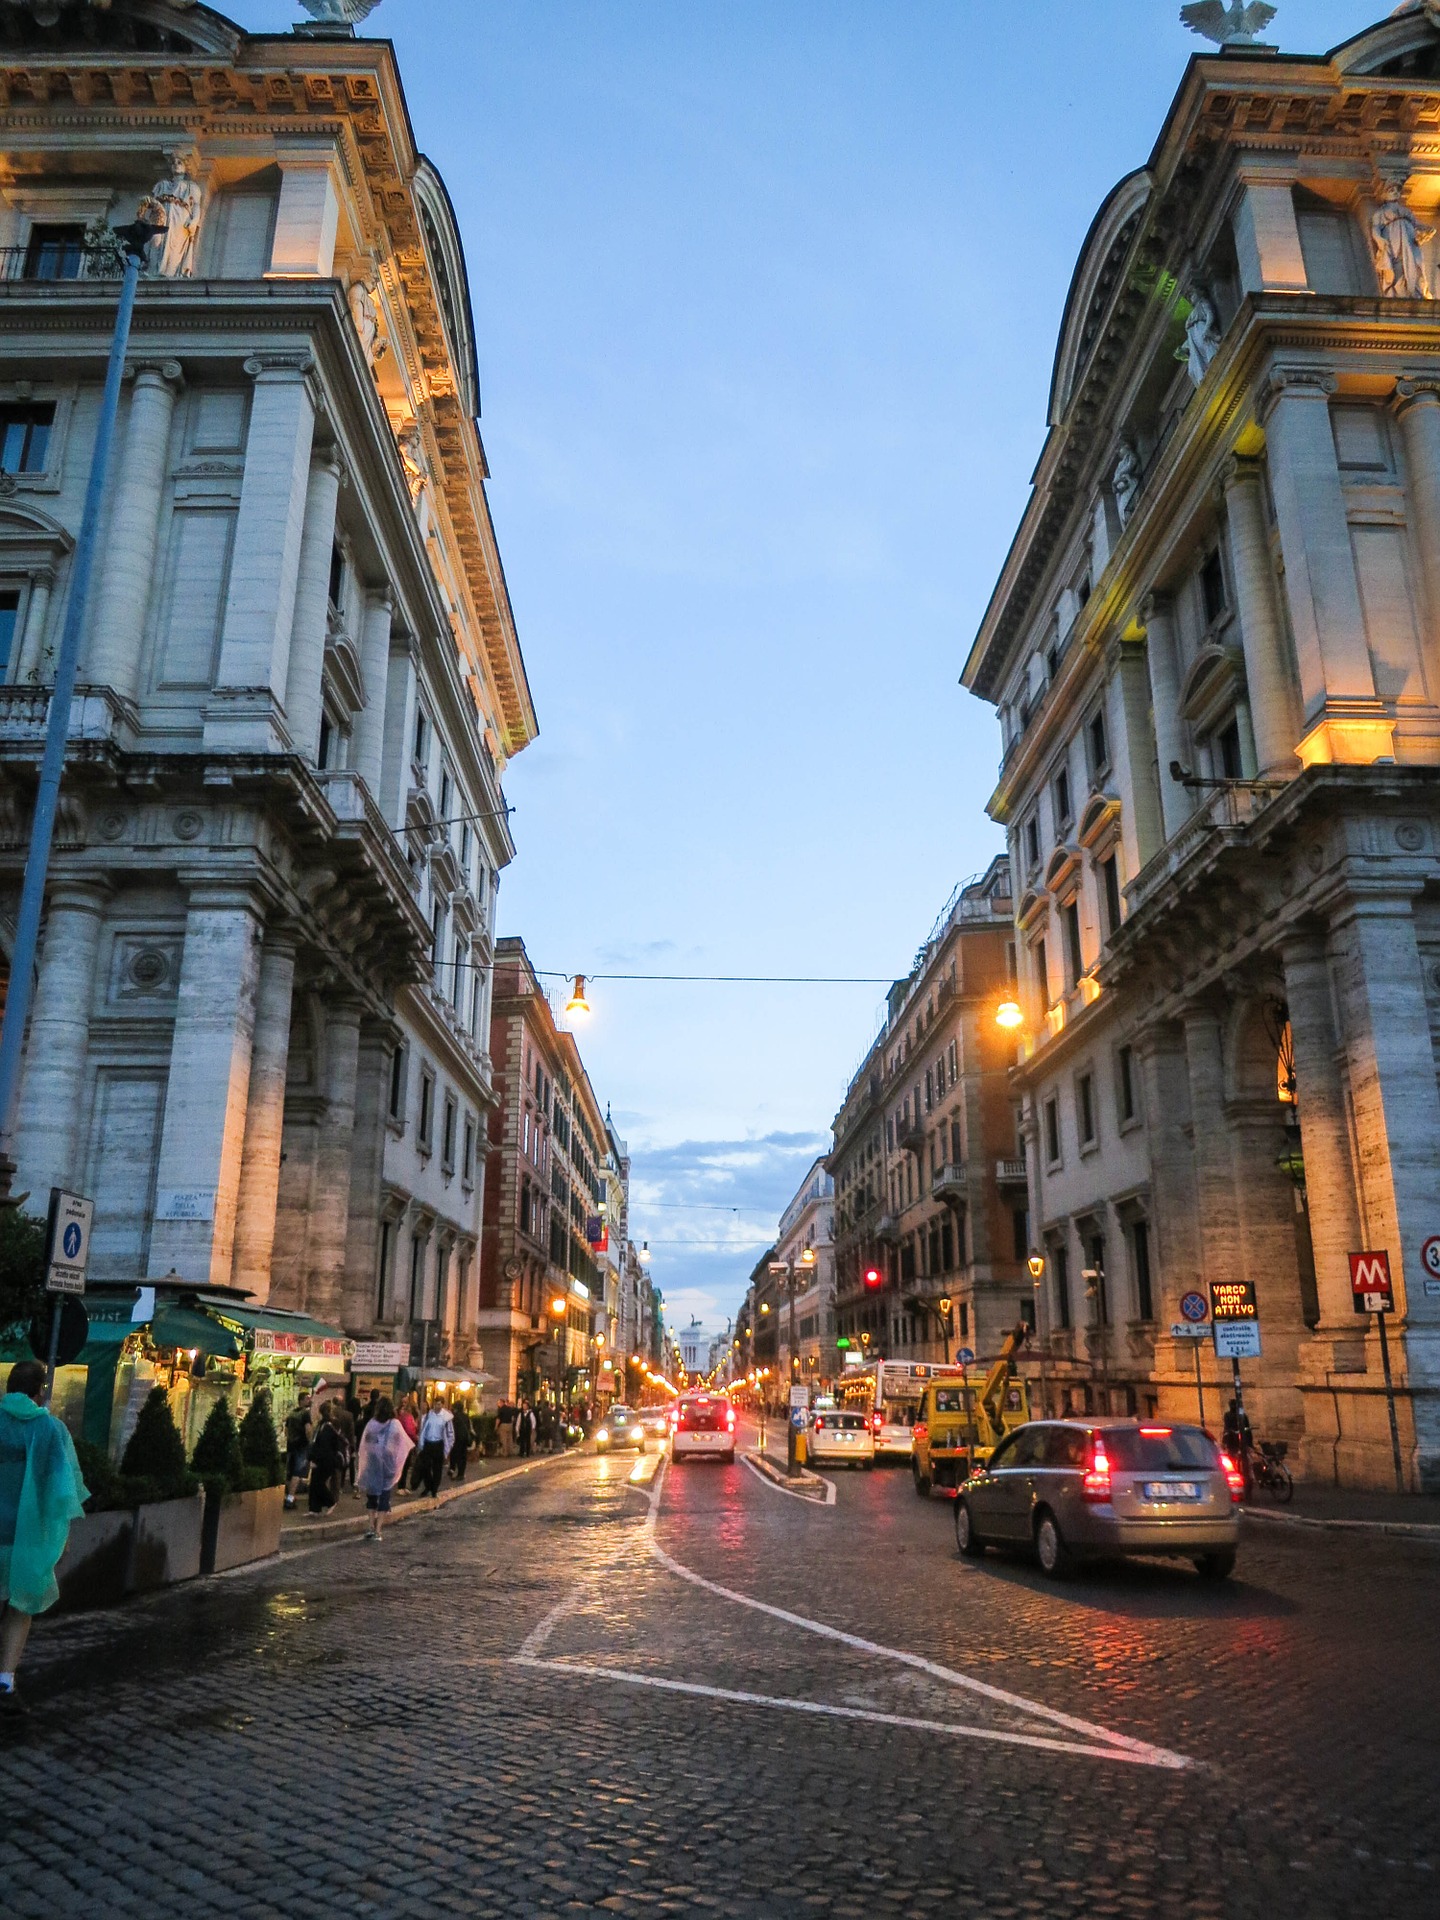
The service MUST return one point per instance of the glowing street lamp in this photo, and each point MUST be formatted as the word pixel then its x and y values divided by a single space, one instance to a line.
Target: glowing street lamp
pixel 1009 1015
pixel 577 1006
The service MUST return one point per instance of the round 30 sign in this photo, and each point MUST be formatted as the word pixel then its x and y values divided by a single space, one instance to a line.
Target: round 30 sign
pixel 1195 1307
pixel 1430 1255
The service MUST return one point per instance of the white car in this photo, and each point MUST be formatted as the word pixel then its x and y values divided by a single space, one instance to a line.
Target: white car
pixel 839 1436
pixel 704 1424
pixel 893 1425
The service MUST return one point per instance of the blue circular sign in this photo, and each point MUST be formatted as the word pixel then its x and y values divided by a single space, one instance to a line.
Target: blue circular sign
pixel 71 1240
pixel 966 1357
pixel 1195 1307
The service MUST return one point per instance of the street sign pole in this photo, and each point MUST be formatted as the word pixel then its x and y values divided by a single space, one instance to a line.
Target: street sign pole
pixel 1390 1405
pixel 57 1306
pixel 1199 1384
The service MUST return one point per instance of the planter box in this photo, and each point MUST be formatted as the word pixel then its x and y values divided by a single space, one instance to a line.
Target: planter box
pixel 95 1565
pixel 240 1527
pixel 166 1546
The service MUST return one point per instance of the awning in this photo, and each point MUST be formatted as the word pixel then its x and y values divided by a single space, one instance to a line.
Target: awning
pixel 188 1327
pixel 294 1339
pixel 451 1376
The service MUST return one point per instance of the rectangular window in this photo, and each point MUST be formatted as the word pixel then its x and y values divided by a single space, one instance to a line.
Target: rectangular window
pixel 1052 1132
pixel 1020 1232
pixel 1096 1281
pixel 382 1281
pixel 1032 842
pixel 1140 1240
pixel 947 1246
pixel 525 1215
pixel 1227 752
pixel 337 578
pixel 397 1084
pixel 437 922
pixel 964 1320
pixel 1110 889
pixel 467 1163
pixel 929 1089
pixel 1085 1108
pixel 957 1147
pixel 417 1276
pixel 422 737
pixel 446 792
pixel 327 742
pixel 1212 587
pixel 9 621
pixel 1042 975
pixel 1061 791
pixel 427 1110
pixel 1060 1261
pixel 1099 744
pixel 1125 1074
pixel 447 1137
pixel 55 250
pixel 25 438
pixel 1070 922
pixel 458 990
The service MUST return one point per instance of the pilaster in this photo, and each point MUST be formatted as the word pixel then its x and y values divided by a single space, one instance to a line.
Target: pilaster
pixel 1157 611
pixel 127 577
pixel 304 679
pixel 330 1199
pixel 375 671
pixel 264 1117
pixel 1418 409
pixel 1274 722
pixel 48 1147
pixel 35 664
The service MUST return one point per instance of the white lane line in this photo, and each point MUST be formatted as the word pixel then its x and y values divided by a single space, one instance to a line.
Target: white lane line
pixel 1105 1750
pixel 1116 1742
pixel 789 1492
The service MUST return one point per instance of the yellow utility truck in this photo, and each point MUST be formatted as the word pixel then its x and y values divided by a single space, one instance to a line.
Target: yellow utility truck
pixel 959 1426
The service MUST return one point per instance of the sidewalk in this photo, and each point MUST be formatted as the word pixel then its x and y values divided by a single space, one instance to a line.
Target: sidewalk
pixel 349 1515
pixel 1415 1515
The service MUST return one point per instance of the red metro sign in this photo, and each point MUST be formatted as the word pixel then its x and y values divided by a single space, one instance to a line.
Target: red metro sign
pixel 1371 1288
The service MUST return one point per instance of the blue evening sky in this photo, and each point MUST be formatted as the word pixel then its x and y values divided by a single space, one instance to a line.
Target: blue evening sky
pixel 767 293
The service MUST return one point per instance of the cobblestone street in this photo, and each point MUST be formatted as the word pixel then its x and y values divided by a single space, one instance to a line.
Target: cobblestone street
pixel 550 1699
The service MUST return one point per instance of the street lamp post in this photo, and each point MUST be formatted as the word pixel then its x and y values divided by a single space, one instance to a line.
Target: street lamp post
pixel 1036 1264
pixel 135 241
pixel 558 1309
pixel 1094 1278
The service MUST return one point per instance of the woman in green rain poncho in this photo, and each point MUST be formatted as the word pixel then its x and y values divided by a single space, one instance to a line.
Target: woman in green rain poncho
pixel 41 1492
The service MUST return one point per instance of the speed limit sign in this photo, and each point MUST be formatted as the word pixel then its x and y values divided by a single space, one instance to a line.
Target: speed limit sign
pixel 1430 1255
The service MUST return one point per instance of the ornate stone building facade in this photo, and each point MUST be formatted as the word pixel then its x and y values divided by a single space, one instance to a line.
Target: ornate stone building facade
pixel 805 1242
pixel 1215 650
pixel 261 1026
pixel 929 1192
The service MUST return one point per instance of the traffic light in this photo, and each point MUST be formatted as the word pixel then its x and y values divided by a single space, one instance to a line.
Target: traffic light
pixel 873 1277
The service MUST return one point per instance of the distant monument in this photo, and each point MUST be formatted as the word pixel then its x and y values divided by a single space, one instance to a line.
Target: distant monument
pixel 1232 26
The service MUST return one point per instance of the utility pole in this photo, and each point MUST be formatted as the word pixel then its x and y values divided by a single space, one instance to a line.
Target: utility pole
pixel 135 240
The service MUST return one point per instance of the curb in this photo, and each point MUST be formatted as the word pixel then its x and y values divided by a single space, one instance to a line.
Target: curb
pixel 1422 1531
pixel 299 1537
pixel 806 1485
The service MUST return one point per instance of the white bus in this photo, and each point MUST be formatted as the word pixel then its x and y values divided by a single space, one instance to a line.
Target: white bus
pixel 888 1393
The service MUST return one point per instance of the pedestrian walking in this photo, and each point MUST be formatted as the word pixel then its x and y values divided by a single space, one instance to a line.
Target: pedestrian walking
pixel 41 1492
pixel 409 1420
pixel 297 1448
pixel 347 1418
pixel 384 1449
pixel 464 1440
pixel 437 1437
pixel 524 1429
pixel 327 1462
pixel 505 1417
pixel 368 1415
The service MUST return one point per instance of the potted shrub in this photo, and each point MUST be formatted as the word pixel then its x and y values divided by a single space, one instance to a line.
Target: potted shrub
pixel 171 1510
pixel 95 1565
pixel 244 1486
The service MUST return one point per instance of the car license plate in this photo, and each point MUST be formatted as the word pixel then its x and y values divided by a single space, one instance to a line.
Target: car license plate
pixel 1171 1490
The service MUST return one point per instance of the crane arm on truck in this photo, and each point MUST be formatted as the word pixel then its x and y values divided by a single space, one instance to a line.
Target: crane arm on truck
pixel 993 1392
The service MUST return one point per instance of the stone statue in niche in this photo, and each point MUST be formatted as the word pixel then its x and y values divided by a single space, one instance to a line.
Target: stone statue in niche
pixel 1202 336
pixel 412 457
pixel 1398 238
pixel 179 202
pixel 365 312
pixel 1125 481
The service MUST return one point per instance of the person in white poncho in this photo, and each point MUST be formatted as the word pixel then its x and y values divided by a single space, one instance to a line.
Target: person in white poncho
pixel 384 1449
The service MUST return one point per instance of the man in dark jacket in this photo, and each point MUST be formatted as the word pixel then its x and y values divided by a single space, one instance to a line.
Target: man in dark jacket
pixel 464 1440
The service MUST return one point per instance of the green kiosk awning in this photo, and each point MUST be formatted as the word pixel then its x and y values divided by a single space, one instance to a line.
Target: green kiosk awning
pixel 188 1327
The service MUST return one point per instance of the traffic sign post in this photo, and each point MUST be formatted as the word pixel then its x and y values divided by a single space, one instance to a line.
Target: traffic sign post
pixel 1236 1317
pixel 1194 1325
pixel 1373 1291
pixel 67 1254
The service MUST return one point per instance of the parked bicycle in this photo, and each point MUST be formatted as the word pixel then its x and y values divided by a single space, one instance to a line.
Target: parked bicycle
pixel 1269 1472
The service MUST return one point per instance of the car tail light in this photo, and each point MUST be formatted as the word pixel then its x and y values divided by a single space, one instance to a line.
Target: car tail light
pixel 1235 1480
pixel 730 1418
pixel 1096 1484
pixel 819 1423
pixel 875 1422
pixel 921 1429
pixel 1156 1433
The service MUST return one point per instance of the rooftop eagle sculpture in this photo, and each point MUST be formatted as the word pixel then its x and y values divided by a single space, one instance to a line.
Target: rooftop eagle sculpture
pixel 340 13
pixel 1232 26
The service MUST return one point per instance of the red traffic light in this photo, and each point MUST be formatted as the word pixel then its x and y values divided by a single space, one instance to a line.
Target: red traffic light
pixel 872 1276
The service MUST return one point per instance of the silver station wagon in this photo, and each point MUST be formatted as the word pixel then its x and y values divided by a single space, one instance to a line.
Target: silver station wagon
pixel 1076 1489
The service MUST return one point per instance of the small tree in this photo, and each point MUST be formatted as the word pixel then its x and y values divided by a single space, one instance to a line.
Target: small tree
pixel 259 1443
pixel 217 1457
pixel 155 1453
pixel 22 1267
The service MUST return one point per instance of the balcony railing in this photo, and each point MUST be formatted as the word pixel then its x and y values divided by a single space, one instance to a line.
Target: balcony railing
pixel 50 260
pixel 949 1182
pixel 1010 1172
pixel 911 1136
pixel 887 1229
pixel 1223 811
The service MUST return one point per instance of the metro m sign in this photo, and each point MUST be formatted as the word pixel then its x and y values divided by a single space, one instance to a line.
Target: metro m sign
pixel 1371 1290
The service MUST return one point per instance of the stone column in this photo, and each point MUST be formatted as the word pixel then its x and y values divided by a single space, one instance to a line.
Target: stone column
pixel 32 662
pixel 1217 1217
pixel 1175 1252
pixel 201 1146
pixel 260 608
pixel 367 1167
pixel 304 679
pixel 1418 407
pixel 1157 611
pixel 1324 1130
pixel 330 1201
pixel 1140 751
pixel 1273 716
pixel 127 573
pixel 48 1146
pixel 375 671
pixel 1267 236
pixel 264 1118
pixel 1326 618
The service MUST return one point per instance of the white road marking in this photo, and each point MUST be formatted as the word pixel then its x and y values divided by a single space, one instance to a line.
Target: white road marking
pixel 1134 1752
pixel 790 1492
pixel 1118 1743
